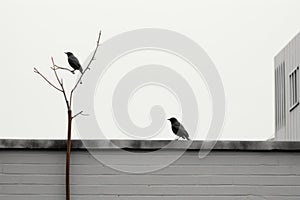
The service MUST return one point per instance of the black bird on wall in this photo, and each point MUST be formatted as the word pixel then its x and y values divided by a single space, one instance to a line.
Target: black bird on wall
pixel 74 62
pixel 178 129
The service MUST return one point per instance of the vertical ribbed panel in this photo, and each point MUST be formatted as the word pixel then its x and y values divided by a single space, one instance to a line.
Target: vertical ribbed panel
pixel 287 91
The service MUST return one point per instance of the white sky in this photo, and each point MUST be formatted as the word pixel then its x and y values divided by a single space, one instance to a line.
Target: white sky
pixel 240 36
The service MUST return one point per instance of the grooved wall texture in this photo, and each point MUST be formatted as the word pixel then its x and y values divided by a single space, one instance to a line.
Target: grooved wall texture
pixel 287 107
pixel 226 175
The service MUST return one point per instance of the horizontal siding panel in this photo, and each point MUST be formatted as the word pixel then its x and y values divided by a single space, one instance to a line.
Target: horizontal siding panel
pixel 150 190
pixel 239 158
pixel 171 170
pixel 139 160
pixel 221 175
pixel 151 180
pixel 107 197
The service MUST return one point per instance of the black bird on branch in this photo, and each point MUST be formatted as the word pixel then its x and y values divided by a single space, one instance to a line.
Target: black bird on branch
pixel 178 129
pixel 74 62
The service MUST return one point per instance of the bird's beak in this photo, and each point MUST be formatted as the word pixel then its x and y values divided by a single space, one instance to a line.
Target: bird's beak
pixel 169 119
pixel 65 52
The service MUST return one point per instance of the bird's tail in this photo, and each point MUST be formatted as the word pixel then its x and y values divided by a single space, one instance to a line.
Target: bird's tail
pixel 81 70
pixel 188 138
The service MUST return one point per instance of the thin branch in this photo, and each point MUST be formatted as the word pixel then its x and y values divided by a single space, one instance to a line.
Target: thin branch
pixel 63 68
pixel 80 113
pixel 95 51
pixel 36 71
pixel 55 73
pixel 55 67
pixel 60 83
pixel 88 67
pixel 65 96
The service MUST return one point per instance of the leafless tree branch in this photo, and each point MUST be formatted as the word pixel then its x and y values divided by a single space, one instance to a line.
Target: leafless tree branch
pixel 80 113
pixel 65 96
pixel 63 68
pixel 54 70
pixel 88 67
pixel 60 83
pixel 55 67
pixel 36 71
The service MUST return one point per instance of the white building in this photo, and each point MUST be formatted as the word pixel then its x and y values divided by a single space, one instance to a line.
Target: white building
pixel 287 109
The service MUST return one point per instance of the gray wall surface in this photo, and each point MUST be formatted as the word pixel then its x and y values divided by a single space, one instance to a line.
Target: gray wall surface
pixel 287 117
pixel 227 175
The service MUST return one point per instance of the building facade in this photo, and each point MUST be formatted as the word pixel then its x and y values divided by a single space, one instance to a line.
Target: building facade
pixel 234 170
pixel 287 109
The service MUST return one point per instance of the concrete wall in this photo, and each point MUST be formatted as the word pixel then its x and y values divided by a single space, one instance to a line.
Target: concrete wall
pixel 227 175
pixel 287 118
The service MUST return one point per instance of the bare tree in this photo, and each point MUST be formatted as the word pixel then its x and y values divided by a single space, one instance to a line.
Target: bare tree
pixel 68 100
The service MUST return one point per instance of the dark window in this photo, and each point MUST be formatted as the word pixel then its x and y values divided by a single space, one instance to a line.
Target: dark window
pixel 280 109
pixel 294 96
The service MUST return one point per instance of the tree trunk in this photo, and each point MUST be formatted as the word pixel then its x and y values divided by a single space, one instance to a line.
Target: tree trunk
pixel 69 143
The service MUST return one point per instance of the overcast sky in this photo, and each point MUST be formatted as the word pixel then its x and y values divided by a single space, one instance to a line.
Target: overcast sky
pixel 240 36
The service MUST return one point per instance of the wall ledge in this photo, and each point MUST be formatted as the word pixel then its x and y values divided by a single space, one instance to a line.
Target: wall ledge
pixel 150 145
